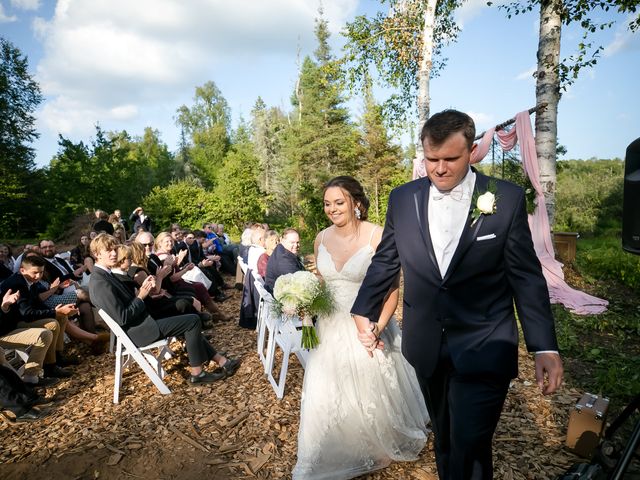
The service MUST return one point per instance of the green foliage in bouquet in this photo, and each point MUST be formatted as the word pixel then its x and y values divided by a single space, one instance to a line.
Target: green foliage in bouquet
pixel 302 294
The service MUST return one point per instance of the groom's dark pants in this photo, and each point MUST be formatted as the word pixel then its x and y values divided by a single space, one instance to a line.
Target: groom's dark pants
pixel 464 411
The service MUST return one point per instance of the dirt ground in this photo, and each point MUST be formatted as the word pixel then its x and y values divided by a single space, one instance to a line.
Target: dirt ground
pixel 235 428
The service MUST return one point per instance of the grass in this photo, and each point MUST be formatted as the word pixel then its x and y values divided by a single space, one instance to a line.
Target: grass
pixel 602 352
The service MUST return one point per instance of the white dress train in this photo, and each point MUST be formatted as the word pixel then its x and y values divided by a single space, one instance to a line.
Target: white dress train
pixel 357 413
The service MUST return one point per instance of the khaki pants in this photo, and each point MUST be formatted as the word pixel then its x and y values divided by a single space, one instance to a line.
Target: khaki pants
pixel 40 335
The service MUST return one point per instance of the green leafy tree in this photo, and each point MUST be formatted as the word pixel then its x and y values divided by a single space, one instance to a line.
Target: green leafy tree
pixel 238 197
pixel 19 97
pixel 184 202
pixel 207 124
pixel 403 46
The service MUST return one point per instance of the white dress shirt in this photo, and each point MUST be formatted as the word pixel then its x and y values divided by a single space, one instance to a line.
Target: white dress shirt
pixel 447 214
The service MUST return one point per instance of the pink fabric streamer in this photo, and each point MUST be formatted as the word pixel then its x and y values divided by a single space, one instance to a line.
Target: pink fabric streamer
pixel 559 292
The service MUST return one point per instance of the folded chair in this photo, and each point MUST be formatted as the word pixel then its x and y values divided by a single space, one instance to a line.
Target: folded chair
pixel 288 337
pixel 150 363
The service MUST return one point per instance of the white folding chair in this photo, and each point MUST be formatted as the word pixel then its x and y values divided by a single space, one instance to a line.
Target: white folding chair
pixel 257 277
pixel 266 325
pixel 243 265
pixel 150 363
pixel 289 339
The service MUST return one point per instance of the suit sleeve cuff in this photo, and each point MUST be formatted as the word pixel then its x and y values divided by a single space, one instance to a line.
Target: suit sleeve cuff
pixel 548 351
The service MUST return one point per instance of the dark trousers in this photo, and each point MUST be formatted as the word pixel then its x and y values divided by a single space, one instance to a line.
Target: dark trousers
pixel 464 411
pixel 199 349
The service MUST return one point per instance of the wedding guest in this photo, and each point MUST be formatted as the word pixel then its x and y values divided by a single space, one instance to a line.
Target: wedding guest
pixel 80 255
pixel 257 247
pixel 102 223
pixel 130 312
pixel 140 220
pixel 6 258
pixel 284 258
pixel 270 243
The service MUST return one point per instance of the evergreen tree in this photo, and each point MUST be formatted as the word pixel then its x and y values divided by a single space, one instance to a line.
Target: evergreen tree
pixel 19 98
pixel 379 160
pixel 321 141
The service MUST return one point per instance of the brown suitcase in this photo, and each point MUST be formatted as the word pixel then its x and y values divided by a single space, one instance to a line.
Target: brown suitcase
pixel 586 424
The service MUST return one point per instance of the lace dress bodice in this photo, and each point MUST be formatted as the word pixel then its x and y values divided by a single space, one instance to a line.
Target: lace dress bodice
pixel 344 284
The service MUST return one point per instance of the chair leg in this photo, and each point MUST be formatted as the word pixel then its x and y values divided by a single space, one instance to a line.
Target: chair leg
pixel 117 381
pixel 271 350
pixel 286 352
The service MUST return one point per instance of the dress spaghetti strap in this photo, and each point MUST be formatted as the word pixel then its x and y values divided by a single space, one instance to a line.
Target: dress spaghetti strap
pixel 373 230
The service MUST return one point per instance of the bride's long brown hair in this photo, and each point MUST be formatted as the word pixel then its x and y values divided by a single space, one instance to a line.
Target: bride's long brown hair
pixel 355 191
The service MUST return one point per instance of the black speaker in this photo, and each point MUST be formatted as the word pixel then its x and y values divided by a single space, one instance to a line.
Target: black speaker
pixel 631 199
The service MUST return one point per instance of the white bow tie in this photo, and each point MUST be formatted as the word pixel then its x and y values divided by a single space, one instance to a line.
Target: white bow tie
pixel 457 193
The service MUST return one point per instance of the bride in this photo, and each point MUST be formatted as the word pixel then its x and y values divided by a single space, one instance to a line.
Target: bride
pixel 357 413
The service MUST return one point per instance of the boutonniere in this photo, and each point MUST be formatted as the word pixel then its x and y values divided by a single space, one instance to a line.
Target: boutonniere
pixel 485 203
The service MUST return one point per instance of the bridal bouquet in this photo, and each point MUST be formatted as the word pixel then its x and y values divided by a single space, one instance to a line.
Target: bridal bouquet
pixel 302 294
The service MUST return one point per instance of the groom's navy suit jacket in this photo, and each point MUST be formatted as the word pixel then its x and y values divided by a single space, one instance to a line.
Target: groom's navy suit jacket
pixel 473 305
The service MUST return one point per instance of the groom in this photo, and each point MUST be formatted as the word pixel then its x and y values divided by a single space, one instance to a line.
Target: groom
pixel 465 264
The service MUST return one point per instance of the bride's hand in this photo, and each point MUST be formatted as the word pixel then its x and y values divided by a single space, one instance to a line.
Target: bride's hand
pixel 369 338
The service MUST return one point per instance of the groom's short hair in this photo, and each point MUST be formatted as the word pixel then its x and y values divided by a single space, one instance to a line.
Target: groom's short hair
pixel 442 125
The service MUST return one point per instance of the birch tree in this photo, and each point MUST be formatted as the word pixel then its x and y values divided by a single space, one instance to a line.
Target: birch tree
pixel 403 45
pixel 554 75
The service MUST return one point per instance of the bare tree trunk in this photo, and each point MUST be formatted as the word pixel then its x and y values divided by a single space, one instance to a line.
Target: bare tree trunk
pixel 548 91
pixel 424 74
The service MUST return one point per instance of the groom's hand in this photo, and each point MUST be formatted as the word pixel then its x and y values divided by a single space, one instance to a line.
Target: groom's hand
pixel 367 334
pixel 549 365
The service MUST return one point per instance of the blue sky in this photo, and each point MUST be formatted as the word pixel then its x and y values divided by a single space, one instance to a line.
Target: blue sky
pixel 130 64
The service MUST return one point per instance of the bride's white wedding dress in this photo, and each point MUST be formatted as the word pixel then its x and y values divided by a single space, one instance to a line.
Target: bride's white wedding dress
pixel 357 413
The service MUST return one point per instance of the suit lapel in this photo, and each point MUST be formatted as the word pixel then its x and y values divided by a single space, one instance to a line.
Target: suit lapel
pixel 469 233
pixel 421 203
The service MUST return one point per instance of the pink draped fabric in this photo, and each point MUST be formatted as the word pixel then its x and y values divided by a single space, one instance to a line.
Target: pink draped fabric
pixel 559 292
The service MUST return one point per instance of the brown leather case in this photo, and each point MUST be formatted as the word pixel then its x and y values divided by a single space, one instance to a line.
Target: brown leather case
pixel 586 424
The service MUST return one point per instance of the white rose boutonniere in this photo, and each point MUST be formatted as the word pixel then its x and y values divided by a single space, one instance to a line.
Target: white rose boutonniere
pixel 485 204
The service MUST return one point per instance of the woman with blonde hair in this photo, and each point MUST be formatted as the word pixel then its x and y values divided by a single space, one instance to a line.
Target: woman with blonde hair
pixel 271 241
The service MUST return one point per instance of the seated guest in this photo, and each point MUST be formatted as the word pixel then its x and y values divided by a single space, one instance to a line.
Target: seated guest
pixel 257 247
pixel 209 264
pixel 6 258
pixel 174 283
pixel 80 255
pixel 28 311
pixel 27 248
pixel 271 241
pixel 214 245
pixel 245 243
pixel 130 312
pixel 159 303
pixel 284 258
pixel 57 268
pixel 102 223
pixel 35 340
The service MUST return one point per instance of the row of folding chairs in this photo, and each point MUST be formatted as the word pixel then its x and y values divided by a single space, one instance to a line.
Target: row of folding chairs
pixel 277 331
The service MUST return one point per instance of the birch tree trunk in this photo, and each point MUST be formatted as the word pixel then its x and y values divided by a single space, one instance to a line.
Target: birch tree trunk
pixel 548 91
pixel 424 74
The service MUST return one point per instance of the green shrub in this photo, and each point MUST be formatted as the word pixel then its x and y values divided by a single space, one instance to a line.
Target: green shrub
pixel 603 257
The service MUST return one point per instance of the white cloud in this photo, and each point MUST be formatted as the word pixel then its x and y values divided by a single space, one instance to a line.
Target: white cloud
pixel 527 74
pixel 4 18
pixel 624 40
pixel 113 57
pixel 482 120
pixel 26 4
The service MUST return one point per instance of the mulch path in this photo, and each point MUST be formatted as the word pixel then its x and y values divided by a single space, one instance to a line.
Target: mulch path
pixel 235 428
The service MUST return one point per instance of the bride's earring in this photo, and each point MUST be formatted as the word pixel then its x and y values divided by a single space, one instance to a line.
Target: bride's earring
pixel 357 212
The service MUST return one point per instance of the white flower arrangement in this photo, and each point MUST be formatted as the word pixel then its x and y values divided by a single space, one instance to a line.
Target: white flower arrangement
pixel 302 294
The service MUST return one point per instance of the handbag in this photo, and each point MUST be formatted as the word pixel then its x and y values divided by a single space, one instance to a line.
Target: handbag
pixel 196 275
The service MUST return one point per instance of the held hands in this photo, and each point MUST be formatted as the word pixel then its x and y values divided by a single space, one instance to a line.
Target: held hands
pixel 549 366
pixel 368 334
